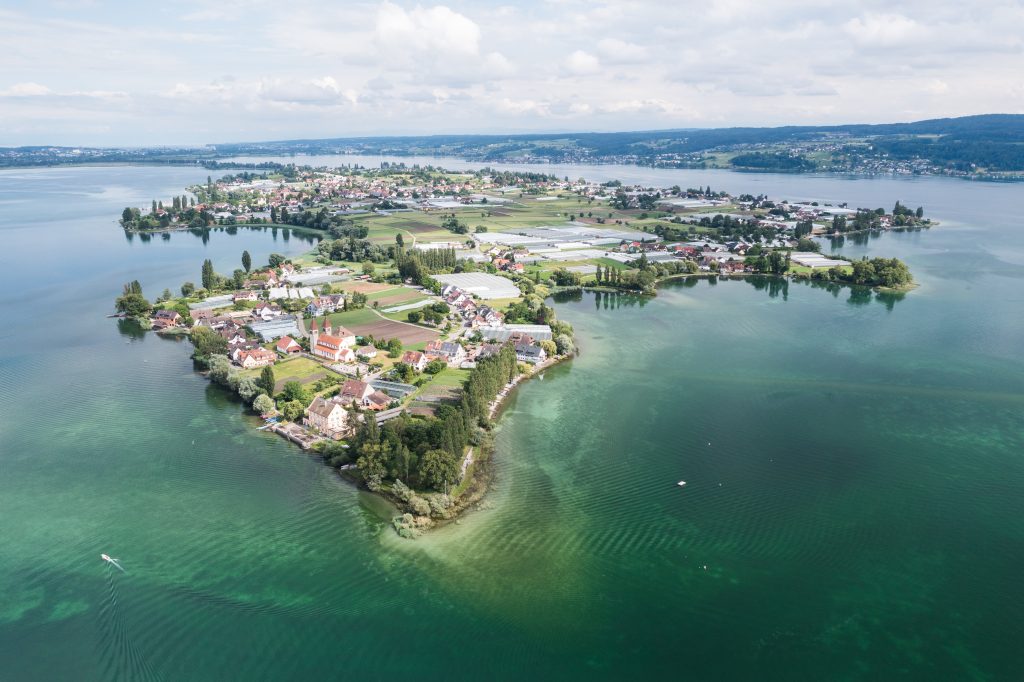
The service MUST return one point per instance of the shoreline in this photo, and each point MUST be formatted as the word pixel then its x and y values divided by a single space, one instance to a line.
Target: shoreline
pixel 481 473
pixel 225 163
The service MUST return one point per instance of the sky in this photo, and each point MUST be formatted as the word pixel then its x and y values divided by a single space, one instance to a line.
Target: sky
pixel 87 72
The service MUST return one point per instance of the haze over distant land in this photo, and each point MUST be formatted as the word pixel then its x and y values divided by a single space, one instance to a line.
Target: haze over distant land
pixel 120 73
pixel 980 147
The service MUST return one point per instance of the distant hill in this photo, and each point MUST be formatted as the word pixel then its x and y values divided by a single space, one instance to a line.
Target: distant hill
pixel 985 146
pixel 994 142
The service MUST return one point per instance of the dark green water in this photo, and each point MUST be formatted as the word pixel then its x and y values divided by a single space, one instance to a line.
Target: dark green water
pixel 858 514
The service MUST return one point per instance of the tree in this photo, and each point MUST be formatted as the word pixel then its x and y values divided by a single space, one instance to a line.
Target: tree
pixel 132 304
pixel 356 300
pixel 293 410
pixel 368 267
pixel 248 389
pixel 404 372
pixel 220 369
pixel 238 278
pixel 246 261
pixel 263 404
pixel 435 366
pixel 293 391
pixel 127 217
pixel 206 343
pixel 439 468
pixel 372 463
pixel 208 274
pixel 414 316
pixel 275 259
pixel 187 289
pixel 399 240
pixel 267 381
pixel 564 344
pixel 805 244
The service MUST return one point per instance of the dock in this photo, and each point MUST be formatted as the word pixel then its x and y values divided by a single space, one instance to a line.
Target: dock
pixel 296 434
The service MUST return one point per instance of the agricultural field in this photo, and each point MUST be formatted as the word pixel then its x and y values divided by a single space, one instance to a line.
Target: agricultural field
pixel 380 328
pixel 351 319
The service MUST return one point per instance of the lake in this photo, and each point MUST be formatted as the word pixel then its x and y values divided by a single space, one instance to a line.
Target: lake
pixel 853 506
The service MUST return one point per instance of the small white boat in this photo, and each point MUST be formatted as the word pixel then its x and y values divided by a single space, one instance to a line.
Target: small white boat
pixel 112 561
pixel 681 483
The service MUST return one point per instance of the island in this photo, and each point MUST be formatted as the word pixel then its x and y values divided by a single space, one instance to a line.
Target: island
pixel 388 349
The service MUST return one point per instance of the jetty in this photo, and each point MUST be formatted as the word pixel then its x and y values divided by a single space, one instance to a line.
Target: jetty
pixel 296 434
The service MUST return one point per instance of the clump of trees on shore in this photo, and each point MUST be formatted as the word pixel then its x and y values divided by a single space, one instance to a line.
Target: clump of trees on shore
pixel 426 453
pixel 131 302
pixel 876 272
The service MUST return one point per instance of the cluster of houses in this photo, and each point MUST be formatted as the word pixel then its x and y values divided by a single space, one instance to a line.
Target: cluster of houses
pixel 456 355
pixel 330 416
pixel 347 192
pixel 506 264
pixel 472 315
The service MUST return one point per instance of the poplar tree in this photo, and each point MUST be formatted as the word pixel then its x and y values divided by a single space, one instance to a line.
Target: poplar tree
pixel 267 381
pixel 208 274
pixel 246 261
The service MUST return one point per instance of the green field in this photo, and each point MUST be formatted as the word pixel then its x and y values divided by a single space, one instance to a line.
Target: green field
pixel 293 369
pixel 352 318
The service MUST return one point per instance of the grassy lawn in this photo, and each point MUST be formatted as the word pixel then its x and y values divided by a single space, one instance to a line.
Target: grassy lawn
pixel 445 384
pixel 396 296
pixel 292 369
pixel 450 377
pixel 352 318
pixel 500 304
pixel 610 263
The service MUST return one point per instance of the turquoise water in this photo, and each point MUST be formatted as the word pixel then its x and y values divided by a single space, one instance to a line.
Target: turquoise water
pixel 853 510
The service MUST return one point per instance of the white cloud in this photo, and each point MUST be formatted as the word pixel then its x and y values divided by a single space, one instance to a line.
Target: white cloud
pixel 617 51
pixel 582 63
pixel 935 86
pixel 436 29
pixel 882 30
pixel 309 69
pixel 26 90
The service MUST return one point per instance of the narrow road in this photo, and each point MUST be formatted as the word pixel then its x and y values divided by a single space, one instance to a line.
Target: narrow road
pixel 465 464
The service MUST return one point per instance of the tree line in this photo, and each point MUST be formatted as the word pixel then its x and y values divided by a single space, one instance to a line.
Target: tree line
pixel 426 453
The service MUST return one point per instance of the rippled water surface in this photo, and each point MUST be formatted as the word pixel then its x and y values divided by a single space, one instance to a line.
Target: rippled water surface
pixel 854 505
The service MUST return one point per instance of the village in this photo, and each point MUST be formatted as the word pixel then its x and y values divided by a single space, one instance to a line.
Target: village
pixel 423 301
pixel 376 365
pixel 529 224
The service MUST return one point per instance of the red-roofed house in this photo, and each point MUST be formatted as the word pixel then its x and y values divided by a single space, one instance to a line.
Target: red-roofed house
pixel 286 345
pixel 415 359
pixel 257 357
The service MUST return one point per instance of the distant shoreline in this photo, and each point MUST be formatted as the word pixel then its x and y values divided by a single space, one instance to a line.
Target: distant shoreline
pixel 223 164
